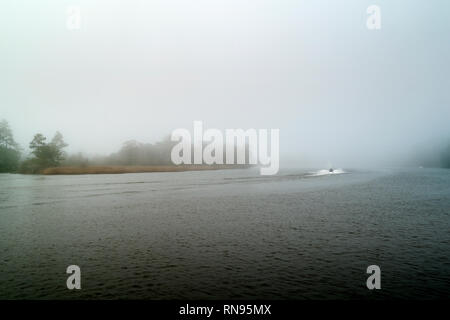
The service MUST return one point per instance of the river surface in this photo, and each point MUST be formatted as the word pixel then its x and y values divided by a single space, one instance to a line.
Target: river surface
pixel 230 234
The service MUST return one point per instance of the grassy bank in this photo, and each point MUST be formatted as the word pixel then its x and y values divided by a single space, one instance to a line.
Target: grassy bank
pixel 134 169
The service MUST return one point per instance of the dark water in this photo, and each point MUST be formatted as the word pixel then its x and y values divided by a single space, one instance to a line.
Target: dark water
pixel 226 234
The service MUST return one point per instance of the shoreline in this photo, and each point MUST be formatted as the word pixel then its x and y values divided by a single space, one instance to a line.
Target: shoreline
pixel 135 169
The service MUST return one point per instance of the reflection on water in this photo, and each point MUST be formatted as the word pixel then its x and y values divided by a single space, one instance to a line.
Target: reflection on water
pixel 226 234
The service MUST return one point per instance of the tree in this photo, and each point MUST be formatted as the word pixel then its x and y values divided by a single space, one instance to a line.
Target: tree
pixel 57 145
pixel 37 145
pixel 6 136
pixel 9 149
pixel 46 154
pixel 130 152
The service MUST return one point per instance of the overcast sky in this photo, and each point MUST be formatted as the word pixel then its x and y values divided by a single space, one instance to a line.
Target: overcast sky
pixel 338 92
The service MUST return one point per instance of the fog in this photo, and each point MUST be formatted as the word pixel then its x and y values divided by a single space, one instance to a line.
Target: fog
pixel 340 93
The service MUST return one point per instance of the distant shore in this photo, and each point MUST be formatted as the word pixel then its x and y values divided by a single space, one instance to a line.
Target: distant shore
pixel 136 169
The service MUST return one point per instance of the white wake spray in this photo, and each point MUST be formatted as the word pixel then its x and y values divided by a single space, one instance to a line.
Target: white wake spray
pixel 326 172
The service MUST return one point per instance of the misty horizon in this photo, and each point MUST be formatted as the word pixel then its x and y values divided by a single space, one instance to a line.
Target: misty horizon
pixel 338 92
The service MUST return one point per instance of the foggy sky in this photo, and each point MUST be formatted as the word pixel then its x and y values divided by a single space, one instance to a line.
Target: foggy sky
pixel 338 92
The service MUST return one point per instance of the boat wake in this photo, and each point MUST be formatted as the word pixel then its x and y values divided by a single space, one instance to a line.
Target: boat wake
pixel 324 172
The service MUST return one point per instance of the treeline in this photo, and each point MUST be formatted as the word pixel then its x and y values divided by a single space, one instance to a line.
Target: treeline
pixel 135 153
pixel 46 154
pixel 43 154
pixel 445 157
pixel 433 156
pixel 132 153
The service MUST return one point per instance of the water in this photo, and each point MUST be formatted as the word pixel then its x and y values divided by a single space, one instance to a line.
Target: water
pixel 228 234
